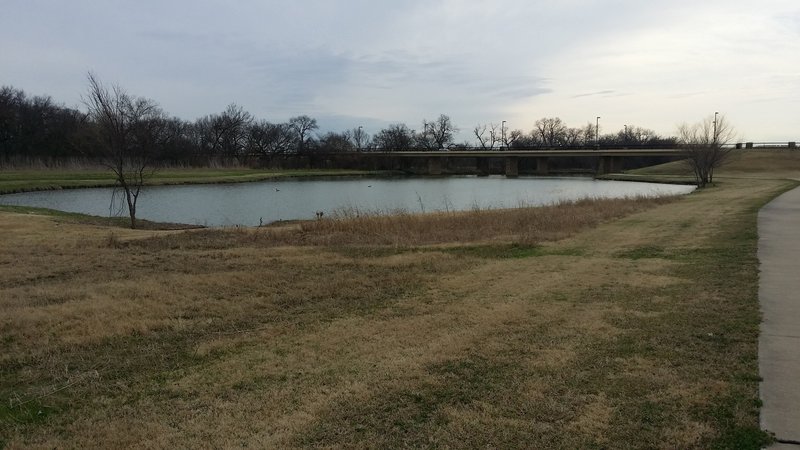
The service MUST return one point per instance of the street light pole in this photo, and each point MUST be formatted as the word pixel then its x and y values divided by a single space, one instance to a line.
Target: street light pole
pixel 503 132
pixel 597 132
pixel 360 137
pixel 715 126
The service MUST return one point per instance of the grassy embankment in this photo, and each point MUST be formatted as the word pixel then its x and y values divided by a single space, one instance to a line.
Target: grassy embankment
pixel 18 180
pixel 596 325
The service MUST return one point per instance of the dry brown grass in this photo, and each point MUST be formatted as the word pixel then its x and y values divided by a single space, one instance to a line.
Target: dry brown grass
pixel 765 164
pixel 634 332
pixel 770 164
pixel 524 226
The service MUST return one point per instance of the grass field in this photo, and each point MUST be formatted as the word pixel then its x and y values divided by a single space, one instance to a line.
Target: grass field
pixel 45 179
pixel 621 324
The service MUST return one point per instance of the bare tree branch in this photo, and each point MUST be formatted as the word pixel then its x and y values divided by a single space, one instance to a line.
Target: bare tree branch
pixel 488 136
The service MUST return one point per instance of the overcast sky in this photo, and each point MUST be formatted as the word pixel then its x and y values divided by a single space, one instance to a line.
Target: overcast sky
pixel 653 63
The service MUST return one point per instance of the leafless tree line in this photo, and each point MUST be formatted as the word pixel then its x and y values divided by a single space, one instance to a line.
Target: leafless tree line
pixel 39 127
pixel 552 132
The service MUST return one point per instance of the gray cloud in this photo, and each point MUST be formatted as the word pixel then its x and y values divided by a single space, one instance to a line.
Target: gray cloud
pixel 606 93
pixel 402 61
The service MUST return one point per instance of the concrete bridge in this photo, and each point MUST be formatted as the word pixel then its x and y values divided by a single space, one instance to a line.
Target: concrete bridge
pixel 610 160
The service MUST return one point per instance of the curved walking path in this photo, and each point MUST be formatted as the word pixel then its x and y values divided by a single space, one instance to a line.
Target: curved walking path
pixel 779 295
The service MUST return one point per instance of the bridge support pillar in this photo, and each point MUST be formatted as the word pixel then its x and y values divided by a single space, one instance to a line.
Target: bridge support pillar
pixel 398 163
pixel 482 166
pixel 609 164
pixel 512 166
pixel 434 166
pixel 542 165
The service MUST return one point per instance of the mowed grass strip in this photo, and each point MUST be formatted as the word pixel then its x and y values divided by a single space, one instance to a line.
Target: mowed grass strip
pixel 632 331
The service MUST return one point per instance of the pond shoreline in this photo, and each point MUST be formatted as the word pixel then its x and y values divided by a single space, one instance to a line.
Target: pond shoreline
pixel 659 179
pixel 300 198
pixel 17 181
pixel 56 180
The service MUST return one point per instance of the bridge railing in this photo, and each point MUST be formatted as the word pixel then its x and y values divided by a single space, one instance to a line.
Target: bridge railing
pixel 764 145
pixel 654 146
pixel 499 149
pixel 544 148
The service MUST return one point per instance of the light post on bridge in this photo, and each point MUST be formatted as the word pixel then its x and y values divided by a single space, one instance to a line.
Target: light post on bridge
pixel 597 133
pixel 425 134
pixel 503 134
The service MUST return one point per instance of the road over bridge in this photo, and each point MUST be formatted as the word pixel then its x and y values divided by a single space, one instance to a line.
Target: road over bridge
pixel 610 159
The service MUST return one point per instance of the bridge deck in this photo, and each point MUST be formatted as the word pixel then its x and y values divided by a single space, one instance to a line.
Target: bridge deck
pixel 531 153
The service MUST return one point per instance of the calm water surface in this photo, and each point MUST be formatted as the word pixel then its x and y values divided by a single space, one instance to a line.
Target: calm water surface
pixel 252 203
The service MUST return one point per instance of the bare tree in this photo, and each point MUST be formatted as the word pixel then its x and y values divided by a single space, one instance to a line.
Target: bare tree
pixel 206 136
pixel 224 134
pixel 572 136
pixel 488 136
pixel 393 138
pixel 268 139
pixel 589 132
pixel 633 135
pixel 235 122
pixel 332 142
pixel 424 140
pixel 550 130
pixel 359 138
pixel 302 127
pixel 706 143
pixel 513 138
pixel 438 133
pixel 129 128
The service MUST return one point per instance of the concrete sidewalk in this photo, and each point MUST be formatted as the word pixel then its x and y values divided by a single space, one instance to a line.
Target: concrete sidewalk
pixel 779 295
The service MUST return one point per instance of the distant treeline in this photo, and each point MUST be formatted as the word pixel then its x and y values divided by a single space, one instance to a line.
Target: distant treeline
pixel 37 127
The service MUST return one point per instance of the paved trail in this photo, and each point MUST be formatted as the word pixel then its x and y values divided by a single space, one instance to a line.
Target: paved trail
pixel 779 295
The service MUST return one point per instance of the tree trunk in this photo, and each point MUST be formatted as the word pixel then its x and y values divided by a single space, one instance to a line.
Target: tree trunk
pixel 131 206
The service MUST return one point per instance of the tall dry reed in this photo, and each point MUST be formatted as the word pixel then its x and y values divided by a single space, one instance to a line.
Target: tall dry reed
pixel 527 225
pixel 524 225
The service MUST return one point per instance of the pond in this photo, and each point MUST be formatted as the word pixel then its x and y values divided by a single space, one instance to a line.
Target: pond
pixel 250 204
